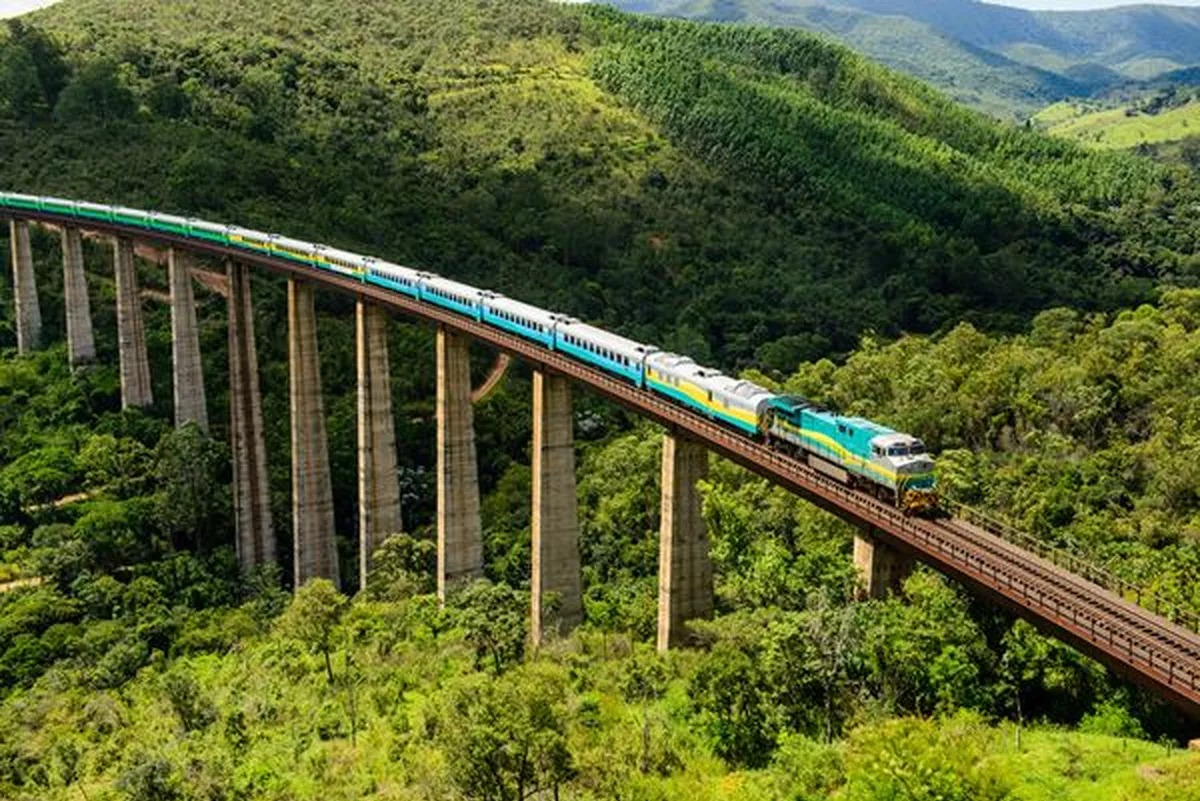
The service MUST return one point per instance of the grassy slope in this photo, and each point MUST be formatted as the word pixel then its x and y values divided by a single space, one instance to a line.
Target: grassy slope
pixel 1111 128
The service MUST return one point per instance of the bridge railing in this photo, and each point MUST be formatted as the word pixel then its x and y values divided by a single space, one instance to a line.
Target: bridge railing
pixel 1078 565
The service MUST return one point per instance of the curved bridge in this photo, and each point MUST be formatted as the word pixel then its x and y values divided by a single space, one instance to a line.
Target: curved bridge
pixel 1064 598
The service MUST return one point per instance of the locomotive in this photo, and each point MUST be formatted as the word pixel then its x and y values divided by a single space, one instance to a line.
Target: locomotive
pixel 856 451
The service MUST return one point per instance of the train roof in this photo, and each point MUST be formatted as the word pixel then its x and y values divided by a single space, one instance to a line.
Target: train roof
pixel 438 282
pixel 598 336
pixel 740 387
pixel 409 272
pixel 536 313
pixel 342 255
pixel 869 426
pixel 294 244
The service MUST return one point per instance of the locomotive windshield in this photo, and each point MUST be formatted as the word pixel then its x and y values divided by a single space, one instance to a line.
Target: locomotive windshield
pixel 917 447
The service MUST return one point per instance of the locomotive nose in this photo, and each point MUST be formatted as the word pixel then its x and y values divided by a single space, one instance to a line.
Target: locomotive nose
pixel 917 464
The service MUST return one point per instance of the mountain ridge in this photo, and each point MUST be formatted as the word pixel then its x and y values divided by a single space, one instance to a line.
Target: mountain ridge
pixel 1008 61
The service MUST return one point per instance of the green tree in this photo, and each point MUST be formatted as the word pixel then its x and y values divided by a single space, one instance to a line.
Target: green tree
pixel 95 94
pixel 122 467
pixel 193 497
pixel 643 682
pixel 312 618
pixel 52 70
pixel 733 700
pixel 21 95
pixel 401 567
pixel 494 619
pixel 505 738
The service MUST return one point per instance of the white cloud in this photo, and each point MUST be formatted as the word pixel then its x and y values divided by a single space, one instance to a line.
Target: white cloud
pixel 1083 5
pixel 11 8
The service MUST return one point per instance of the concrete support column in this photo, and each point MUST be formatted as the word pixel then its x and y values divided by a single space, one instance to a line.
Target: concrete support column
pixel 882 569
pixel 460 536
pixel 29 313
pixel 556 566
pixel 131 334
pixel 312 488
pixel 188 373
pixel 685 582
pixel 378 485
pixel 81 341
pixel 251 492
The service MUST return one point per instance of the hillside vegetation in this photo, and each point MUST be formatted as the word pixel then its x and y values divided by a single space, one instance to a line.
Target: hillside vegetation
pixel 759 198
pixel 408 710
pixel 1007 61
pixel 1164 123
pixel 752 196
pixel 1116 128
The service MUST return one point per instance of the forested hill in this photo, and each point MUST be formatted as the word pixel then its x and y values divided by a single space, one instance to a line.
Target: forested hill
pixel 760 197
pixel 749 195
pixel 1008 61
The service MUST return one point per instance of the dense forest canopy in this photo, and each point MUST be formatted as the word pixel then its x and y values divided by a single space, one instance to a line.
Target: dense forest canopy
pixel 753 195
pixel 761 199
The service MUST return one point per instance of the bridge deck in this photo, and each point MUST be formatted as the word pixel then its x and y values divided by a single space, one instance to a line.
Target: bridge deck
pixel 1134 641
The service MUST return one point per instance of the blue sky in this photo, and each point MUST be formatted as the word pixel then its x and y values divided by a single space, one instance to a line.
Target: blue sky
pixel 1080 5
pixel 9 8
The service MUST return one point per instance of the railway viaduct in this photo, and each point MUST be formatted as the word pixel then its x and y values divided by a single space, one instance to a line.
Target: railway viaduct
pixel 1063 596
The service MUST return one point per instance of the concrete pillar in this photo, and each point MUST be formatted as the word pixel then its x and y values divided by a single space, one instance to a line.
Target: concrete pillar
pixel 685 582
pixel 81 341
pixel 555 516
pixel 378 485
pixel 131 334
pixel 251 492
pixel 312 488
pixel 29 313
pixel 188 371
pixel 882 569
pixel 460 536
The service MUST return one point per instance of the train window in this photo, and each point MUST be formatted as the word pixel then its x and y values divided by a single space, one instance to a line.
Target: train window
pixel 917 448
pixel 841 429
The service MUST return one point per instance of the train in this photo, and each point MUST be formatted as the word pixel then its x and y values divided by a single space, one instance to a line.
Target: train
pixel 863 454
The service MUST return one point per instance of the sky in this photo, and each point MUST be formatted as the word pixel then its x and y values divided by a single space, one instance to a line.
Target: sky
pixel 1081 5
pixel 10 8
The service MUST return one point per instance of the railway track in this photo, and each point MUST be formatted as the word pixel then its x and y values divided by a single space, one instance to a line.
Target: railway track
pixel 1134 641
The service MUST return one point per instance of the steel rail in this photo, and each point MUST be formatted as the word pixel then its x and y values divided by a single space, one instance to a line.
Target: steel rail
pixel 1173 651
pixel 1185 640
pixel 1077 565
pixel 1130 639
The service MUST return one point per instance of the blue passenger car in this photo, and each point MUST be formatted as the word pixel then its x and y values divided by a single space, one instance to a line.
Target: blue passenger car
pixel 392 276
pixel 451 295
pixel 611 353
pixel 522 319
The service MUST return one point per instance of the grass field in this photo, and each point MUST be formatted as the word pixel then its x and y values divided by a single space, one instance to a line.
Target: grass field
pixel 1111 128
pixel 1061 766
